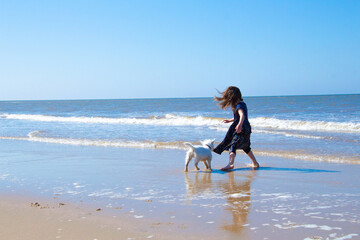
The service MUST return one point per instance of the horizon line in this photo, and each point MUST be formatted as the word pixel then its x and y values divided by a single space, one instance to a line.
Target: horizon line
pixel 147 98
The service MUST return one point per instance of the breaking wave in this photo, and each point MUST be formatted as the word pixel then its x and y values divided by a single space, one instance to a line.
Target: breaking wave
pixel 318 126
pixel 259 123
pixel 167 120
pixel 36 137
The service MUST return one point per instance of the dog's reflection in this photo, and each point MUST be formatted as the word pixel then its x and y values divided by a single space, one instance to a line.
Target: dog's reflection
pixel 198 183
pixel 236 189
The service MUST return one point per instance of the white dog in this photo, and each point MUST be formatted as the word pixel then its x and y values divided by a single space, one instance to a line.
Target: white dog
pixel 200 153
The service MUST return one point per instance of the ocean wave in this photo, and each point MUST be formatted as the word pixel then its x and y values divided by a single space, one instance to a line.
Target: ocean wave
pixel 267 125
pixel 274 131
pixel 167 120
pixel 310 157
pixel 258 123
pixel 317 126
pixel 36 137
pixel 289 134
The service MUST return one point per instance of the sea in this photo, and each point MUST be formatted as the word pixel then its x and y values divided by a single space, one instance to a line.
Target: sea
pixel 310 128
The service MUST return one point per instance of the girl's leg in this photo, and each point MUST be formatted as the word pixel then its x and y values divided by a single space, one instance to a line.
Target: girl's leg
pixel 255 164
pixel 230 166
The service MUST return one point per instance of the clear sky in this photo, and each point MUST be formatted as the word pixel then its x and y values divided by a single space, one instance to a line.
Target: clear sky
pixel 148 49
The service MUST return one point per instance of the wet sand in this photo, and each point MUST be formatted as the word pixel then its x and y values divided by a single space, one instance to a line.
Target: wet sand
pixel 22 220
pixel 118 193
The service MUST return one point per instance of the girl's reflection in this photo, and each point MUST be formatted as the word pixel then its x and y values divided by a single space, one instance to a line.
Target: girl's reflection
pixel 236 192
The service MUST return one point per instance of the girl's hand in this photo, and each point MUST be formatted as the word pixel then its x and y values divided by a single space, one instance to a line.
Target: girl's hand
pixel 227 120
pixel 238 128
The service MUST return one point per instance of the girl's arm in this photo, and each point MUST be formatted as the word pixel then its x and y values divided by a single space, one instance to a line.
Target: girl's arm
pixel 238 127
pixel 227 120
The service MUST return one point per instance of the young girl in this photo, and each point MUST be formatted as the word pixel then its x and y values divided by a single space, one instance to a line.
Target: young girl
pixel 238 135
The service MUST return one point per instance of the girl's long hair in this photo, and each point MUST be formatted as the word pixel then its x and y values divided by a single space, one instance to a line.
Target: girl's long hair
pixel 229 98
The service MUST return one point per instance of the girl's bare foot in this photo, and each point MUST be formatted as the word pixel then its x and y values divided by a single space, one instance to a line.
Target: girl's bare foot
pixel 255 166
pixel 227 168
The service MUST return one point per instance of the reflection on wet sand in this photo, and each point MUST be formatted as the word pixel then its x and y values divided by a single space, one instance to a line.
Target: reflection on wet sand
pixel 202 183
pixel 234 188
pixel 237 192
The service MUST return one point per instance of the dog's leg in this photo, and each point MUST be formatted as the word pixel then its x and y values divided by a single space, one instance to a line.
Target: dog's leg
pixel 209 162
pixel 196 164
pixel 187 160
pixel 206 165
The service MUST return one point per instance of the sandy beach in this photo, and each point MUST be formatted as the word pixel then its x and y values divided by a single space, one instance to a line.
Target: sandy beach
pixel 53 191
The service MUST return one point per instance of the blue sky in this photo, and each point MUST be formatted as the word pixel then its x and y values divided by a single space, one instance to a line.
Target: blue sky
pixel 149 49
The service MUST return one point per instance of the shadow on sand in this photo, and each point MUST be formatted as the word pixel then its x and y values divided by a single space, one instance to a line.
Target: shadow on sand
pixel 303 170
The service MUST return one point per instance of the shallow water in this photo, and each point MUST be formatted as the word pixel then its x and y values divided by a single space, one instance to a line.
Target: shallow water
pixel 316 128
pixel 310 198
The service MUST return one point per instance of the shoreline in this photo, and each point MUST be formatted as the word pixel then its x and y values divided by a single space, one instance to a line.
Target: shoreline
pixel 176 145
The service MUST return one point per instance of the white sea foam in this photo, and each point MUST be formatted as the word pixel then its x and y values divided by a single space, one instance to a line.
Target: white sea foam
pixel 36 137
pixel 311 157
pixel 261 123
pixel 239 195
pixel 288 134
pixel 309 226
pixel 319 126
pixel 349 236
pixel 4 176
pixel 167 120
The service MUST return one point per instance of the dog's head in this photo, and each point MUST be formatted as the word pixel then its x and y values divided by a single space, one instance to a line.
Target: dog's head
pixel 209 143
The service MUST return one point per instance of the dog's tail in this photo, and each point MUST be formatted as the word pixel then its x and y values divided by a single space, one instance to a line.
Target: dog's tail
pixel 189 145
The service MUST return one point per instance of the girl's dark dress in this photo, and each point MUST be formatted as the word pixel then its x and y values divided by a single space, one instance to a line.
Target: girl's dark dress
pixel 234 140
